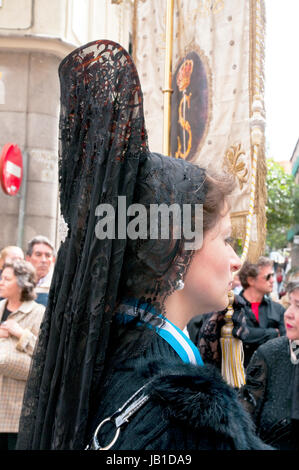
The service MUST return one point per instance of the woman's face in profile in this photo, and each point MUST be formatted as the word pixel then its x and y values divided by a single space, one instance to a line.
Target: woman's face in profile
pixel 210 275
pixel 291 316
pixel 8 285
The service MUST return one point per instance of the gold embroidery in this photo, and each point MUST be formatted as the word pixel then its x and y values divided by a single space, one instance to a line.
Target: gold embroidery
pixel 193 47
pixel 206 7
pixel 184 74
pixel 183 81
pixel 186 126
pixel 233 161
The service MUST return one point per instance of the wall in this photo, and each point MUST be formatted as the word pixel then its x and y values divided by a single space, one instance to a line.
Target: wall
pixel 34 36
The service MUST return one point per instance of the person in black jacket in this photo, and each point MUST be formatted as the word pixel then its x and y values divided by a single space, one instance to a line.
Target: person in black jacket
pixel 260 317
pixel 264 317
pixel 113 367
pixel 271 393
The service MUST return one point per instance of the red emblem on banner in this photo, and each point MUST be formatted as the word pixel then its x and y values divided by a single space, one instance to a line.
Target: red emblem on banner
pixel 11 169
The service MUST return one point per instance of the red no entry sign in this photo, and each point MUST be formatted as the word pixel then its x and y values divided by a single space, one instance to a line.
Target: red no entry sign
pixel 11 169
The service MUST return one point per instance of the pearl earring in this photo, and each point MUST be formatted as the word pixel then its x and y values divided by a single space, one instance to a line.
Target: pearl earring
pixel 180 284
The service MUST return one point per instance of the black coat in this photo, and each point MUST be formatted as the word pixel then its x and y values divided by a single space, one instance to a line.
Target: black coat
pixel 270 320
pixel 190 407
pixel 267 393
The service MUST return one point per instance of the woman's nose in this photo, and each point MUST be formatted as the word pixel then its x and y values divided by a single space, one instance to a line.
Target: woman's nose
pixel 236 263
pixel 289 312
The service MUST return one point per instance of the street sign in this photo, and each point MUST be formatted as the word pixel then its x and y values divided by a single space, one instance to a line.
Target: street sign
pixel 11 169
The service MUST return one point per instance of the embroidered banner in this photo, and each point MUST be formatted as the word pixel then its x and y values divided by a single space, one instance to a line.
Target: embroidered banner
pixel 217 106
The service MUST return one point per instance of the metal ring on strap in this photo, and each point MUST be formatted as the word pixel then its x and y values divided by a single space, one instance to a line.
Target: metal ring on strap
pixel 96 444
pixel 119 418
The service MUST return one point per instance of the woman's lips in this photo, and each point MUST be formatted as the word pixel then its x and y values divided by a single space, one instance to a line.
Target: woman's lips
pixel 289 326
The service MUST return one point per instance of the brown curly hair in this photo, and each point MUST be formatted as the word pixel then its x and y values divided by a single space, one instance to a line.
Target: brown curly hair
pixel 252 269
pixel 26 277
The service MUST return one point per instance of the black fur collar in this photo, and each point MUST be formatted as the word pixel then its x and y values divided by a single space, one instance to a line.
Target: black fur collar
pixel 198 395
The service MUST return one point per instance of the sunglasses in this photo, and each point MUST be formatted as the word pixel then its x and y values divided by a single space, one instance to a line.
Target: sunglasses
pixel 268 277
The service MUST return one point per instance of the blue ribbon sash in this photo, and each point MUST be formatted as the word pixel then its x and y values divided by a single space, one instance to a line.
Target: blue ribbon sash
pixel 178 340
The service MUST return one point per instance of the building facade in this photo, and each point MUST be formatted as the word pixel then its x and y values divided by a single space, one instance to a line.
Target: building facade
pixel 34 37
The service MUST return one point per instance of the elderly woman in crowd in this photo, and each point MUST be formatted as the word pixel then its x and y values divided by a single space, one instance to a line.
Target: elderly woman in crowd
pixel 10 253
pixel 20 319
pixel 271 393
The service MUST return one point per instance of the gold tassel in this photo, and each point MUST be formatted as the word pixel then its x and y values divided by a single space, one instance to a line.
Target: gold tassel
pixel 232 350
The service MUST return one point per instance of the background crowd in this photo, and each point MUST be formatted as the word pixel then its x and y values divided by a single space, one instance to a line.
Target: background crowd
pixel 24 286
pixel 270 337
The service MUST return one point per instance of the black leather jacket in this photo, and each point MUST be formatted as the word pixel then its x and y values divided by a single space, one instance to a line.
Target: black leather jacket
pixel 269 326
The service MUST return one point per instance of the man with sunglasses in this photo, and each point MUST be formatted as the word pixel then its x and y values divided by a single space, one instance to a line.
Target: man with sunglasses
pixel 264 317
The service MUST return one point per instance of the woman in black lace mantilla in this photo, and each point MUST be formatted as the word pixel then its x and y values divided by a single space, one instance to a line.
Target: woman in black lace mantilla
pixel 118 305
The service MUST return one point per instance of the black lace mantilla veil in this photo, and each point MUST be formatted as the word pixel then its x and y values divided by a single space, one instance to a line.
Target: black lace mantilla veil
pixel 103 154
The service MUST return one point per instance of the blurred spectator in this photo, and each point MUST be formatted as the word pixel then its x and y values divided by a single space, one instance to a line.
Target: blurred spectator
pixel 237 286
pixel 20 321
pixel 287 264
pixel 264 317
pixel 271 393
pixel 278 282
pixel 9 253
pixel 292 275
pixel 40 253
pixel 279 275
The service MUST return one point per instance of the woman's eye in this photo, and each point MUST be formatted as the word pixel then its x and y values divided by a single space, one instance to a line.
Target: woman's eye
pixel 229 241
